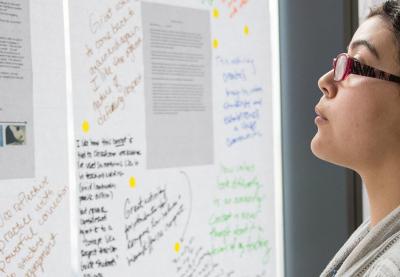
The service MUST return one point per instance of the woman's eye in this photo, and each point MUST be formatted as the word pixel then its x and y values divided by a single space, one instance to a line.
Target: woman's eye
pixel 357 58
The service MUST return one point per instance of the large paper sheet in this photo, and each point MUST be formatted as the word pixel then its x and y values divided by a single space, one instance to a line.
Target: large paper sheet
pixel 16 91
pixel 34 199
pixel 177 70
pixel 168 185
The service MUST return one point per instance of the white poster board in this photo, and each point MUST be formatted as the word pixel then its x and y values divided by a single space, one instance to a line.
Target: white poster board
pixel 174 131
pixel 34 198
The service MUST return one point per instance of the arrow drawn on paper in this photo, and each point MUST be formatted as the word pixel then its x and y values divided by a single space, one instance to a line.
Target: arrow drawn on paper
pixel 189 184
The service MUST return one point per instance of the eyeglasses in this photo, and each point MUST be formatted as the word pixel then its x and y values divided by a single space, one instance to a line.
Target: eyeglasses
pixel 343 65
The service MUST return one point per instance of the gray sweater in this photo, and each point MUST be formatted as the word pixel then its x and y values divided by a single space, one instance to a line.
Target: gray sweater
pixel 370 252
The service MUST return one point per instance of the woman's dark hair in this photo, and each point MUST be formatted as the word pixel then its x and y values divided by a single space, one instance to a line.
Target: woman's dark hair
pixel 389 11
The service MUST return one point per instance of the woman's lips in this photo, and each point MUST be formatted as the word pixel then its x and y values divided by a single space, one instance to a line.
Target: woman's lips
pixel 320 119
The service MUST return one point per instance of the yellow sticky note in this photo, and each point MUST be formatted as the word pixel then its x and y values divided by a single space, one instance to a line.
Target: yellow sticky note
pixel 132 182
pixel 85 126
pixel 215 43
pixel 216 13
pixel 246 30
pixel 177 247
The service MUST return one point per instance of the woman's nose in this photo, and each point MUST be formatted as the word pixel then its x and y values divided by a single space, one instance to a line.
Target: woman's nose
pixel 327 85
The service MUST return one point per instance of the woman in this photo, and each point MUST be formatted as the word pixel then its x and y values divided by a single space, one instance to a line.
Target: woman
pixel 359 127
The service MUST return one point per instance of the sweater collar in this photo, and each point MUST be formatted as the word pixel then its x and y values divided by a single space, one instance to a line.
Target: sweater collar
pixel 364 243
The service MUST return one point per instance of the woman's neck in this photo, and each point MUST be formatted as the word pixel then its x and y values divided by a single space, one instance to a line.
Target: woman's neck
pixel 383 189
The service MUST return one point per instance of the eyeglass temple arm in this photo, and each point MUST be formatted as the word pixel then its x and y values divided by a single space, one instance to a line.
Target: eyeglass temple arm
pixel 369 71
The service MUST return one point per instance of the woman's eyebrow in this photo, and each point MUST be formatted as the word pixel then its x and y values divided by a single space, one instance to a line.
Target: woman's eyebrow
pixel 363 42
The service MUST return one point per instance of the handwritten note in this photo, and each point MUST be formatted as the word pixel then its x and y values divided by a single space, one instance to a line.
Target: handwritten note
pixel 243 99
pixel 195 260
pixel 111 52
pixel 234 6
pixel 208 2
pixel 235 225
pixel 24 244
pixel 101 165
pixel 147 220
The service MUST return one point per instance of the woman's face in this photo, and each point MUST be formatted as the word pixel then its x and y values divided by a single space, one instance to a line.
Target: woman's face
pixel 362 126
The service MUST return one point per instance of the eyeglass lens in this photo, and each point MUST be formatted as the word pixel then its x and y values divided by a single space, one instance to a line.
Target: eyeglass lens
pixel 340 68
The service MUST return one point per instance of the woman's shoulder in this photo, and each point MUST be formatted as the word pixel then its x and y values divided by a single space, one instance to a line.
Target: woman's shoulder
pixel 388 265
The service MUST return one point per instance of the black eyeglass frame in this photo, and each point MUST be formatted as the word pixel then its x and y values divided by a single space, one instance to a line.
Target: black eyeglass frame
pixel 353 66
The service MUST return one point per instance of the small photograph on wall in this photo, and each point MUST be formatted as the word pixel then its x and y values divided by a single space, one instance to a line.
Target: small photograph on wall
pixel 15 135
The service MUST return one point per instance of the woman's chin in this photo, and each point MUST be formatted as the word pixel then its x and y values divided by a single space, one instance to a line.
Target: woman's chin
pixel 325 152
pixel 322 150
pixel 316 147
